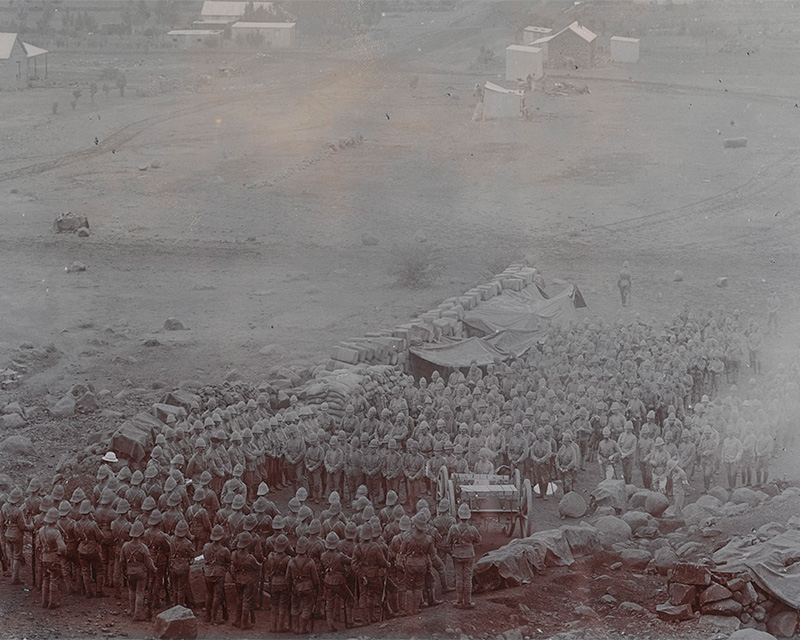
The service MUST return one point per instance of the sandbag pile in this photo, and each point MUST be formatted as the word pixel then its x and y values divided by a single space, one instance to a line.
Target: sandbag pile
pixel 336 387
pixel 695 589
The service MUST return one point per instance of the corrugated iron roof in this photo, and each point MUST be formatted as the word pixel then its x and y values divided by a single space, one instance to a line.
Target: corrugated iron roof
pixel 491 86
pixel 33 50
pixel 622 39
pixel 194 32
pixel 582 31
pixel 522 47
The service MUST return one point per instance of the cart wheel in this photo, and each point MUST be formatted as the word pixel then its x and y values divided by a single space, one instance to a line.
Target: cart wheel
pixel 527 509
pixel 452 498
pixel 517 480
pixel 442 482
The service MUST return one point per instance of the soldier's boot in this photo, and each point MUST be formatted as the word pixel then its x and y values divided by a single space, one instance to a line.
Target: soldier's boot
pixel 15 569
pixel 100 590
pixel 417 594
pixel 88 584
pixel 55 595
pixel 139 607
pixel 131 602
pixel 401 603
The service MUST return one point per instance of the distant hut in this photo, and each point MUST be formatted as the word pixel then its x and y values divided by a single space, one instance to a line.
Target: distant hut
pixel 573 46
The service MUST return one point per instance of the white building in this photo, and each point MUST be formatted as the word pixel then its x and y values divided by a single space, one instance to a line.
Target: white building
pixel 625 49
pixel 276 35
pixel 216 13
pixel 522 61
pixel 530 34
pixel 19 62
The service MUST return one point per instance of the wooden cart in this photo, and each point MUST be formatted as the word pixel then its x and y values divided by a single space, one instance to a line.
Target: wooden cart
pixel 497 497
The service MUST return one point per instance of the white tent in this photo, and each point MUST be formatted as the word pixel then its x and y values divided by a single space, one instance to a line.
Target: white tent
pixel 625 49
pixel 499 102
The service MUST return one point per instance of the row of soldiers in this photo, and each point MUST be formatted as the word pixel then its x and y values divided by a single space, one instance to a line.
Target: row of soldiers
pixel 350 570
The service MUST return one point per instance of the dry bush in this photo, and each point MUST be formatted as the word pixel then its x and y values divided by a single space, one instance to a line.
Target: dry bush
pixel 495 261
pixel 416 264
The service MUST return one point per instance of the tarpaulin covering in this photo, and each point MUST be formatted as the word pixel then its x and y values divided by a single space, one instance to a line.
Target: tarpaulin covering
pixel 523 310
pixel 459 354
pixel 515 342
pixel 517 561
pixel 774 564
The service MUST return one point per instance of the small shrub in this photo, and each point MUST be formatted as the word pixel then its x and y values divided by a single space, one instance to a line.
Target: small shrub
pixel 496 261
pixel 416 264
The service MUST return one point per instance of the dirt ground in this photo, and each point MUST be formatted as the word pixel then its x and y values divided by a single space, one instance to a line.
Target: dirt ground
pixel 250 234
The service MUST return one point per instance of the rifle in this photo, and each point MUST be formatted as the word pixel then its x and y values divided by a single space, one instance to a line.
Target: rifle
pixel 261 586
pixel 33 557
pixel 383 595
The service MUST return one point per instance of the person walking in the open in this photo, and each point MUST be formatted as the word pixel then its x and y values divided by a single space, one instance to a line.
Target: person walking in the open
pixel 624 284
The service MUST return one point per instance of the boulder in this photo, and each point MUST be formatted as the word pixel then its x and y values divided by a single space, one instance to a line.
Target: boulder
pixel 714 593
pixel 612 530
pixel 656 504
pixel 232 376
pixel 750 634
pixel 722 282
pixel 677 275
pixel 87 403
pixel 572 505
pixel 636 519
pixel 718 624
pixel 83 233
pixel 727 607
pixel 743 495
pixel 631 608
pixel 64 407
pixel 638 499
pixel 17 446
pixel 582 611
pixel 176 623
pixel 665 559
pixel 420 236
pixel 681 593
pixel 369 239
pixel 672 613
pixel 12 421
pixel 668 525
pixel 709 503
pixel 690 573
pixel 68 221
pixel 782 624
pixel 173 324
pixel 720 493
pixel 635 559
pixel 75 267
pixel 13 407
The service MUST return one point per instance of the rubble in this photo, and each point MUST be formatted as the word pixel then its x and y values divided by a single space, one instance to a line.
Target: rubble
pixel 177 623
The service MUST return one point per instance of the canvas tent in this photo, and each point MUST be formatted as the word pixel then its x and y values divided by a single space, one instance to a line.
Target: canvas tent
pixel 509 325
pixel 522 61
pixel 523 310
pixel 499 102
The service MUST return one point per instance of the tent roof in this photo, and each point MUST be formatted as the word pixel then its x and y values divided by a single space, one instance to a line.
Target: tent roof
pixel 539 29
pixel 7 42
pixel 491 86
pixel 523 310
pixel 33 50
pixel 194 32
pixel 263 25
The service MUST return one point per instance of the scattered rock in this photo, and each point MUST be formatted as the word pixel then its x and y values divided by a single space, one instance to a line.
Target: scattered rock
pixel 143 167
pixel 17 446
pixel 172 324
pixel 13 407
pixel 83 233
pixel 76 267
pixel 176 623
pixel 656 504
pixel 727 607
pixel 151 342
pixel 12 421
pixel 677 276
pixel 420 236
pixel 514 634
pixel 636 559
pixel 87 403
pixel 720 493
pixel 68 221
pixel 608 599
pixel 232 375
pixel 64 407
pixel 275 350
pixel 369 239
pixel 294 276
pixel 681 593
pixel 118 359
pixel 734 143
pixel 672 613
pixel 203 287
pixel 572 505
pixel 631 608
pixel 743 495
pixel 636 519
pixel 690 573
pixel 751 634
pixel 582 611
pixel 155 164
pixel 722 282
pixel 782 624
pixel 668 525
pixel 719 624
pixel 664 559
pixel 713 593
pixel 612 530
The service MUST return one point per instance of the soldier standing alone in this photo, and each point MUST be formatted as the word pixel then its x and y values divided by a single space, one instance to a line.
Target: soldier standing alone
pixel 462 539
